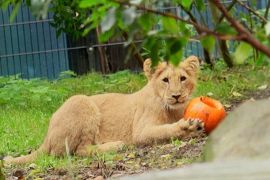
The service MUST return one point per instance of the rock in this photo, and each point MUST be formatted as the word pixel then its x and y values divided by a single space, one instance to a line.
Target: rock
pixel 244 134
pixel 211 171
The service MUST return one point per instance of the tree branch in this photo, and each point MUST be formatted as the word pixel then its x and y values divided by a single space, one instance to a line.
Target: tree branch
pixel 263 19
pixel 247 36
pixel 203 29
pixel 228 9
pixel 266 12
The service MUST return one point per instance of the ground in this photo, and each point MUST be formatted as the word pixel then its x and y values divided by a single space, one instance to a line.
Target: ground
pixel 133 160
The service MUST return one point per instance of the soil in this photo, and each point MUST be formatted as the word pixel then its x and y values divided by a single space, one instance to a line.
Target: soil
pixel 132 160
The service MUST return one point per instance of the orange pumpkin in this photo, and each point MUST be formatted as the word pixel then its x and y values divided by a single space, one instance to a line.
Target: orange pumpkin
pixel 209 110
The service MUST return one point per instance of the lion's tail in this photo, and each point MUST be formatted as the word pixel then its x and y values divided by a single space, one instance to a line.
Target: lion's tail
pixel 24 159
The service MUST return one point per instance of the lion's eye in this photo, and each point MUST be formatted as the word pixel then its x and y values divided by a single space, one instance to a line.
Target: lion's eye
pixel 165 80
pixel 183 78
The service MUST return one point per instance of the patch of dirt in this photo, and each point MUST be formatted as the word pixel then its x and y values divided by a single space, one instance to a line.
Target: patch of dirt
pixel 249 96
pixel 131 160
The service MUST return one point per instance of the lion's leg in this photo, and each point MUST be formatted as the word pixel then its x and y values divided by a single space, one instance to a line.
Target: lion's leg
pixel 111 146
pixel 75 124
pixel 87 150
pixel 182 128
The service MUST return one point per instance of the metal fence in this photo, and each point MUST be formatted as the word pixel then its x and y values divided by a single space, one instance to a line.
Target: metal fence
pixel 31 48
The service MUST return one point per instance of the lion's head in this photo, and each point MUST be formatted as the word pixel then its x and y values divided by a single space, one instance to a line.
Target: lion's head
pixel 173 84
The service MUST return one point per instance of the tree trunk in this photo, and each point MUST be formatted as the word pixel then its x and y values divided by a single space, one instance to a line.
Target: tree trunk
pixel 134 49
pixel 221 43
pixel 225 53
pixel 207 57
pixel 102 55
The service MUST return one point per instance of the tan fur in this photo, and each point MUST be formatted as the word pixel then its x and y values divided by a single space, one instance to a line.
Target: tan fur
pixel 111 120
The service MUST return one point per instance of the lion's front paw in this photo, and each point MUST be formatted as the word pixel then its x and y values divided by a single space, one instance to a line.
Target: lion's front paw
pixel 190 128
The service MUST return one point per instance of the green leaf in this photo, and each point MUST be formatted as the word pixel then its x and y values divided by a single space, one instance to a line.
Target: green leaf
pixel 186 3
pixel 261 59
pixel 14 11
pixel 153 48
pixel 267 28
pixel 109 20
pixel 176 58
pixel 169 24
pixel 225 28
pixel 175 49
pixel 146 21
pixel 105 36
pixel 208 42
pixel 186 30
pixel 137 2
pixel 90 3
pixel 4 5
pixel 176 46
pixel 200 5
pixel 129 15
pixel 242 52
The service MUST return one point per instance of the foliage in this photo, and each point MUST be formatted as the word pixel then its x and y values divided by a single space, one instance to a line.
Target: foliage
pixel 43 94
pixel 17 92
pixel 68 17
pixel 149 20
pixel 16 3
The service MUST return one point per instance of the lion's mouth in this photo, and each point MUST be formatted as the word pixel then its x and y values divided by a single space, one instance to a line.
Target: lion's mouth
pixel 178 102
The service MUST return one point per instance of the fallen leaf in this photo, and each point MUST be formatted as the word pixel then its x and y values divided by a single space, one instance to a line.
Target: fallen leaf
pixel 210 94
pixel 236 94
pixel 262 87
pixel 227 105
pixel 179 163
pixel 131 155
pixel 32 166
pixel 166 156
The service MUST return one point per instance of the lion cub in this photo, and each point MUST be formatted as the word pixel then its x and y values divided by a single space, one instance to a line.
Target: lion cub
pixel 111 120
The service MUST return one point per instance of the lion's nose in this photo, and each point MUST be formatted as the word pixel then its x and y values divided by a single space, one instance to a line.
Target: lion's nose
pixel 176 96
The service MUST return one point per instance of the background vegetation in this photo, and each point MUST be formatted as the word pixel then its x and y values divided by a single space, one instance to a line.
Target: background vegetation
pixel 145 19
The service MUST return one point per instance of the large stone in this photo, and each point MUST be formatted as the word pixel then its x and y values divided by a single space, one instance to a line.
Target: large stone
pixel 242 170
pixel 244 134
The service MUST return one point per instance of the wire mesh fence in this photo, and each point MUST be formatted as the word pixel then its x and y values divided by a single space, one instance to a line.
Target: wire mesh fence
pixel 30 47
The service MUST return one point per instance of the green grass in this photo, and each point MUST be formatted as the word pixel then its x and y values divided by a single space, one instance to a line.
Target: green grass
pixel 26 106
pixel 224 83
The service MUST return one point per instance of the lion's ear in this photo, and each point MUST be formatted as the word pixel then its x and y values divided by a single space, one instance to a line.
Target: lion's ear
pixel 191 65
pixel 147 68
pixel 150 71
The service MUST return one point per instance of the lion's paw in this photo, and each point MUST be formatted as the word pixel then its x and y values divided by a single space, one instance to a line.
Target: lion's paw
pixel 190 127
